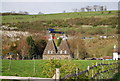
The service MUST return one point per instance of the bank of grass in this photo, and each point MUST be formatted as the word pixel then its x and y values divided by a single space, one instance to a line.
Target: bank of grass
pixel 25 68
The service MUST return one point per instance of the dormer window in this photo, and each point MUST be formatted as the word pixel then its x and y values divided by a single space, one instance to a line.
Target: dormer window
pixel 51 52
pixel 61 52
pixel 65 52
pixel 48 51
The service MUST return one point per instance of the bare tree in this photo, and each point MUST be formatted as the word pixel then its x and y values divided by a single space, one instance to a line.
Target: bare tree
pixel 23 48
pixel 78 47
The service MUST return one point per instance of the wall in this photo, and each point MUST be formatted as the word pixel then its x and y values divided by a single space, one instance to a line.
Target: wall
pixel 56 56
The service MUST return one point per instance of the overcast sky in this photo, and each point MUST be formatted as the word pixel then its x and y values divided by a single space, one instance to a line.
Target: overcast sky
pixel 60 0
pixel 53 6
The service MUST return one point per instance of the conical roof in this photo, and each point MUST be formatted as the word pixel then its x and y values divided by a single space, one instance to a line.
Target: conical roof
pixel 50 47
pixel 64 47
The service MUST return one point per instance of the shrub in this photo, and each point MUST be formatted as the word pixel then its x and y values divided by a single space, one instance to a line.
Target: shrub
pixel 65 69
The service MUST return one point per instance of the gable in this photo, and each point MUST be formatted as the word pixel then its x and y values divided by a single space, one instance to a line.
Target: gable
pixel 50 48
pixel 64 48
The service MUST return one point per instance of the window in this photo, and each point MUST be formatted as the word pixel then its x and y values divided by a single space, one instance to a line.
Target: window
pixel 65 52
pixel 48 51
pixel 51 52
pixel 61 52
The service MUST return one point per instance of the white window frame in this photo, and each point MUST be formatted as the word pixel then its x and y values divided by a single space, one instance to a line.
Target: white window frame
pixel 48 51
pixel 51 52
pixel 61 51
pixel 65 51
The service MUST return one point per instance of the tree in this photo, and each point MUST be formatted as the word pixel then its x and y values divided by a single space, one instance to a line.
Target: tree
pixel 41 44
pixel 77 46
pixel 33 52
pixel 23 48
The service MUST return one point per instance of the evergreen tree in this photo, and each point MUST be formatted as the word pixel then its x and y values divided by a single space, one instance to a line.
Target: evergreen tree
pixel 33 52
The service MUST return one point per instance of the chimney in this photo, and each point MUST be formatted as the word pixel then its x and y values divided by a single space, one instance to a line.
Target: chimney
pixel 115 48
pixel 50 38
pixel 64 37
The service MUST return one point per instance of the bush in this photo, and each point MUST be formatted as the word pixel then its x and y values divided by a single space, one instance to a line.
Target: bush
pixel 65 69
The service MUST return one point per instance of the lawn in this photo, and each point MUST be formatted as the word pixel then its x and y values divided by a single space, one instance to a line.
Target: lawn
pixel 25 68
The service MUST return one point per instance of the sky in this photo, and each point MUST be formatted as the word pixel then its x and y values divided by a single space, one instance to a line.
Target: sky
pixel 60 0
pixel 53 6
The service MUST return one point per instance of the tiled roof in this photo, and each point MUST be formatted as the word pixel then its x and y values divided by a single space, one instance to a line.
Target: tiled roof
pixel 107 57
pixel 50 47
pixel 117 50
pixel 64 47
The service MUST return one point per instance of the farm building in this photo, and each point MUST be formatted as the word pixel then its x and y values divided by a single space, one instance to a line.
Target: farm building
pixel 53 52
pixel 107 57
pixel 116 53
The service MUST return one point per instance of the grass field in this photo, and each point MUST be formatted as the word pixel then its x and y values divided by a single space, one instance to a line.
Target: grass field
pixel 61 16
pixel 64 21
pixel 25 68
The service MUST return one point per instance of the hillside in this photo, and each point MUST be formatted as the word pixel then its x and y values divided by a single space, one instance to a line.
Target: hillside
pixel 62 16
pixel 62 21
pixel 89 26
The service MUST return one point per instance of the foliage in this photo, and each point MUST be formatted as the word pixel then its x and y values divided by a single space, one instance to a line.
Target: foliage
pixel 100 47
pixel 52 64
pixel 12 49
pixel 23 48
pixel 68 68
pixel 78 48
pixel 33 52
pixel 42 22
pixel 59 41
pixel 40 44
pixel 25 68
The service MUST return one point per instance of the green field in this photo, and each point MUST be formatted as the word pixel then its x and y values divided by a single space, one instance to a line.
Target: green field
pixel 63 21
pixel 63 16
pixel 25 68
